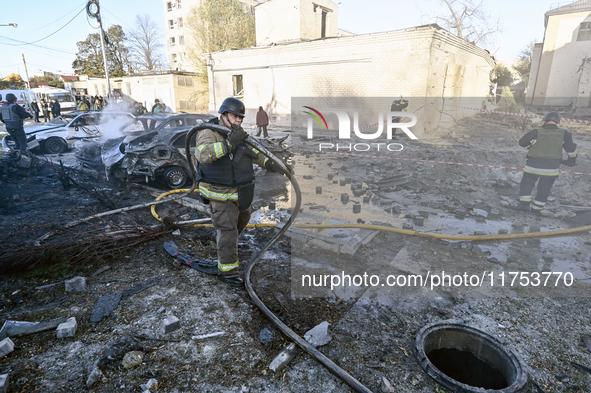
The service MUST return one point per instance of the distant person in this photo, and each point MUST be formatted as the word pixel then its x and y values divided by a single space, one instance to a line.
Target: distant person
pixel 12 115
pixel 397 106
pixel 167 109
pixel 262 122
pixel 156 102
pixel 83 106
pixel 88 104
pixel 135 109
pixel 157 109
pixel 35 109
pixel 544 157
pixel 143 109
pixel 46 108
pixel 56 108
pixel 96 106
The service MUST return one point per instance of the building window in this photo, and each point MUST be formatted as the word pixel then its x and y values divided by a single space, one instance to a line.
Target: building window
pixel 181 40
pixel 182 56
pixel 173 57
pixel 584 32
pixel 178 4
pixel 169 6
pixel 186 105
pixel 184 81
pixel 128 85
pixel 170 24
pixel 172 41
pixel 180 22
pixel 238 86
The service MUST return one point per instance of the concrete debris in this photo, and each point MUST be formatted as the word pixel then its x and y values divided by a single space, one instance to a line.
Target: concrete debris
pixel 210 335
pixel 266 336
pixel 150 386
pixel 24 162
pixel 419 221
pixel 95 375
pixel 283 358
pixel 480 212
pixel 407 226
pixel 386 386
pixel 16 198
pixel 176 232
pixel 503 231
pixel 318 336
pixel 67 329
pixel 479 233
pixel 22 328
pixel 4 383
pixel 76 284
pixel 132 359
pixel 6 346
pixel 169 325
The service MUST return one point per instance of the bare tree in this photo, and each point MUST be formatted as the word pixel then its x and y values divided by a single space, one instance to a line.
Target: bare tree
pixel 145 44
pixel 470 21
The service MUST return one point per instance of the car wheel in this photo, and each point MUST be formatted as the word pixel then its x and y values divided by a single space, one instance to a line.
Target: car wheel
pixel 55 145
pixel 175 177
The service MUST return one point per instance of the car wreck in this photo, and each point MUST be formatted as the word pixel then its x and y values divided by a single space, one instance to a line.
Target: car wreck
pixel 155 157
pixel 61 133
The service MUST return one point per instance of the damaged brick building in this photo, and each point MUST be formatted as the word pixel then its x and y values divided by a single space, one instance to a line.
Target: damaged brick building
pixel 304 54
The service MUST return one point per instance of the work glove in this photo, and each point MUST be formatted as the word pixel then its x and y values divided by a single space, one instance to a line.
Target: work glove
pixel 571 161
pixel 271 166
pixel 236 136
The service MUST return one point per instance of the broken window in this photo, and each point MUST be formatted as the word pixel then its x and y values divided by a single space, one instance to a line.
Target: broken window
pixel 238 86
pixel 584 32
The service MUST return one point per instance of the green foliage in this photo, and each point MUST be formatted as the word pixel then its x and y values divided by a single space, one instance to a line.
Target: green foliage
pixel 89 59
pixel 503 76
pixel 507 102
pixel 218 25
pixel 52 81
pixel 12 81
pixel 523 64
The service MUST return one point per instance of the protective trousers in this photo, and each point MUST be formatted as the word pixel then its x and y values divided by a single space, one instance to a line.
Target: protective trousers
pixel 229 221
pixel 544 186
pixel 19 137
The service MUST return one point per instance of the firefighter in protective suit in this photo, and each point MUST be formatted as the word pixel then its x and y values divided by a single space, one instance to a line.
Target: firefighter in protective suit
pixel 12 115
pixel 543 161
pixel 226 181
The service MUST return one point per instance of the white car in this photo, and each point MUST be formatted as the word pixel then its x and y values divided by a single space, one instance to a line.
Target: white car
pixel 60 134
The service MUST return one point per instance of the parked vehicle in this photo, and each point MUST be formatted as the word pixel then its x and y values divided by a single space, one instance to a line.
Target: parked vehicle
pixel 153 151
pixel 60 134
pixel 23 97
pixel 63 96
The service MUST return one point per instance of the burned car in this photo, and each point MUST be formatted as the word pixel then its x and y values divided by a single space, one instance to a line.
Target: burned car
pixel 153 150
pixel 60 134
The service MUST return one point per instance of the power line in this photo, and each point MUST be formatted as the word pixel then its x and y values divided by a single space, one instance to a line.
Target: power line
pixel 39 46
pixel 60 18
pixel 34 42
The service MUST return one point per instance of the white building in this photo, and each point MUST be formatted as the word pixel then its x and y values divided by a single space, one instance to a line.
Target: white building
pixel 176 13
pixel 560 74
pixel 308 56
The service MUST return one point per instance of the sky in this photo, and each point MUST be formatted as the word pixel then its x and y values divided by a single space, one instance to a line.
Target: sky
pixel 522 21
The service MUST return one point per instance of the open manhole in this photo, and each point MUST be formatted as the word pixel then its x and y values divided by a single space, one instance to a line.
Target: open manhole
pixel 465 359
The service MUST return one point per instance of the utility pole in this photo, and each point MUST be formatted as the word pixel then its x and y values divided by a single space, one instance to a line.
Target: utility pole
pixel 97 15
pixel 27 73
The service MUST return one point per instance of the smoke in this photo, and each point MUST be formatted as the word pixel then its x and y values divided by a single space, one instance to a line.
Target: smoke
pixel 117 121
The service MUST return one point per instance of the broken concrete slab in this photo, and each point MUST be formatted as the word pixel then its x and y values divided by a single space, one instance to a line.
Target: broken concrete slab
pixel 6 346
pixel 22 328
pixel 283 358
pixel 117 348
pixel 67 329
pixel 169 325
pixel 318 335
pixel 348 241
pixel 150 386
pixel 76 284
pixel 386 386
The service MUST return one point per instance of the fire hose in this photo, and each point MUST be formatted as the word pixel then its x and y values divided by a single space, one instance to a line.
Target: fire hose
pixel 329 364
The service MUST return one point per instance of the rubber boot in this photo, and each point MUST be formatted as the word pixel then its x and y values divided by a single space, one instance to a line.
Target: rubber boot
pixel 523 206
pixel 233 280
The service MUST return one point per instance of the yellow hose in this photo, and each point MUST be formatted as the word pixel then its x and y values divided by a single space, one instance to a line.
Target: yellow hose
pixel 396 230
